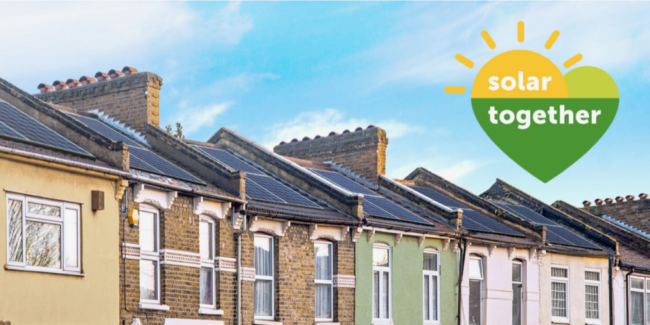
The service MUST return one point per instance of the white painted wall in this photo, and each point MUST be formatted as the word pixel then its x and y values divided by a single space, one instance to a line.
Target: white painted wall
pixel 577 266
pixel 497 286
pixel 619 286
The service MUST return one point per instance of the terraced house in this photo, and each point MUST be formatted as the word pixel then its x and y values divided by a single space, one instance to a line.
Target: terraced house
pixel 60 202
pixel 626 221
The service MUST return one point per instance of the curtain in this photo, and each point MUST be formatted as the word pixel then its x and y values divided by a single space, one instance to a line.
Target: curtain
pixel 375 305
pixel 323 262
pixel 263 256
pixel 205 240
pixel 206 286
pixel 475 302
pixel 323 301
pixel 558 296
pixel 516 303
pixel 263 298
pixel 148 288
pixel 427 306
pixel 591 302
pixel 637 307
pixel 147 231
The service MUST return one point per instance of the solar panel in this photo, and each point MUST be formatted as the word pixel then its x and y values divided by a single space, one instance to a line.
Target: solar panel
pixel 156 164
pixel 343 181
pixel 438 197
pixel 483 223
pixel 106 130
pixel 555 233
pixel 257 192
pixel 393 209
pixel 527 214
pixel 20 126
pixel 229 159
pixel 280 190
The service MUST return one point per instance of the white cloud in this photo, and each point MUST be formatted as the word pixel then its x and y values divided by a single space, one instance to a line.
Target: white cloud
pixel 610 35
pixel 323 122
pixel 67 39
pixel 195 118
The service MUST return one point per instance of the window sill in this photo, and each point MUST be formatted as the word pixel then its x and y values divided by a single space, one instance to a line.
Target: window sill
pixel 592 322
pixel 266 322
pixel 560 321
pixel 326 323
pixel 42 270
pixel 382 322
pixel 210 311
pixel 153 307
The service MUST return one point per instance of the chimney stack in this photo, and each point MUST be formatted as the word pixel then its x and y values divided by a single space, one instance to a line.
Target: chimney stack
pixel 132 99
pixel 363 151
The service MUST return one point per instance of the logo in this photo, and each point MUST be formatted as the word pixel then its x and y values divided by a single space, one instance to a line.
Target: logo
pixel 541 119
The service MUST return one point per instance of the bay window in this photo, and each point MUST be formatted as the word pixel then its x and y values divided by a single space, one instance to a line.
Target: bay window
pixel 639 300
pixel 431 287
pixel 149 256
pixel 517 292
pixel 43 235
pixel 381 266
pixel 560 294
pixel 323 268
pixel 264 278
pixel 592 296
pixel 475 288
pixel 206 250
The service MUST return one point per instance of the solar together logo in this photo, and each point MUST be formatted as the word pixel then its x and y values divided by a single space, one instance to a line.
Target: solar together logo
pixel 542 120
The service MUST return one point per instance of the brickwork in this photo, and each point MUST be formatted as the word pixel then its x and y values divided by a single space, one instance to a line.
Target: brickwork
pixel 363 151
pixel 344 297
pixel 132 100
pixel 634 213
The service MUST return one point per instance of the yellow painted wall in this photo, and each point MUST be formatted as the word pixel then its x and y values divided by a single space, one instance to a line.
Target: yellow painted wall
pixel 42 298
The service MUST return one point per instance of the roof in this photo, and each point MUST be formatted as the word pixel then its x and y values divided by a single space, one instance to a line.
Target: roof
pixel 563 230
pixel 270 195
pixel 377 207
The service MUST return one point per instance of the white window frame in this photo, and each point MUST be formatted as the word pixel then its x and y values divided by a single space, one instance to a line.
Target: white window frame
pixel 566 281
pixel 645 293
pixel 596 284
pixel 382 270
pixel 153 256
pixel 63 206
pixel 481 281
pixel 430 274
pixel 266 277
pixel 209 263
pixel 330 282
pixel 521 283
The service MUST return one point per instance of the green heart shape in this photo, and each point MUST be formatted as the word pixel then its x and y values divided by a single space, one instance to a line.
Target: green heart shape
pixel 546 150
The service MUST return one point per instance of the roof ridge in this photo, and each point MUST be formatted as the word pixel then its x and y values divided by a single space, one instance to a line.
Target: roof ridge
pixel 102 116
pixel 626 226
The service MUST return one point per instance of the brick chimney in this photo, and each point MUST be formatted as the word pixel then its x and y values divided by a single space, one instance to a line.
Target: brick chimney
pixel 133 99
pixel 362 151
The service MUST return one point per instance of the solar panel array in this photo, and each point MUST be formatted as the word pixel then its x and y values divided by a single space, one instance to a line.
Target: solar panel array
pixel 259 186
pixel 373 203
pixel 140 157
pixel 472 220
pixel 555 233
pixel 17 125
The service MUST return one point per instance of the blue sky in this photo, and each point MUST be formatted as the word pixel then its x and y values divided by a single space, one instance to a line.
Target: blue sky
pixel 276 71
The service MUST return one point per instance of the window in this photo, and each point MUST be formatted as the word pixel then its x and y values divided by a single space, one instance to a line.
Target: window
pixel 639 300
pixel 206 250
pixel 264 281
pixel 323 269
pixel 517 292
pixel 381 264
pixel 149 256
pixel 592 296
pixel 43 235
pixel 475 288
pixel 560 293
pixel 431 287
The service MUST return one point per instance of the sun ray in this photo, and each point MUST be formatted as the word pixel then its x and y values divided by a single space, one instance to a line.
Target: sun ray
pixel 455 90
pixel 465 61
pixel 488 39
pixel 575 59
pixel 520 32
pixel 552 39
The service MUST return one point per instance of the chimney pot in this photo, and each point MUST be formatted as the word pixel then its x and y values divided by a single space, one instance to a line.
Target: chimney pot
pixel 332 134
pixel 44 88
pixel 586 203
pixel 281 143
pixel 101 76
pixel 630 197
pixel 84 80
pixel 72 83
pixel 306 139
pixel 371 126
pixel 59 85
pixel 346 131
pixel 129 71
pixel 317 137
pixel 358 129
pixel 609 200
pixel 294 140
pixel 114 74
pixel 599 202
pixel 619 199
pixel 643 196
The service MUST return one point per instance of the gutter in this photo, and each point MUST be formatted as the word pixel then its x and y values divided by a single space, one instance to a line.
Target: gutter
pixel 184 189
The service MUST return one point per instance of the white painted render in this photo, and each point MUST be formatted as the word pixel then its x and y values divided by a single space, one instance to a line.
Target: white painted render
pixel 577 266
pixel 619 289
pixel 497 285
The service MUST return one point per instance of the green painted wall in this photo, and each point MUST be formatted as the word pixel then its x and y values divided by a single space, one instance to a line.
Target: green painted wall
pixel 406 277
